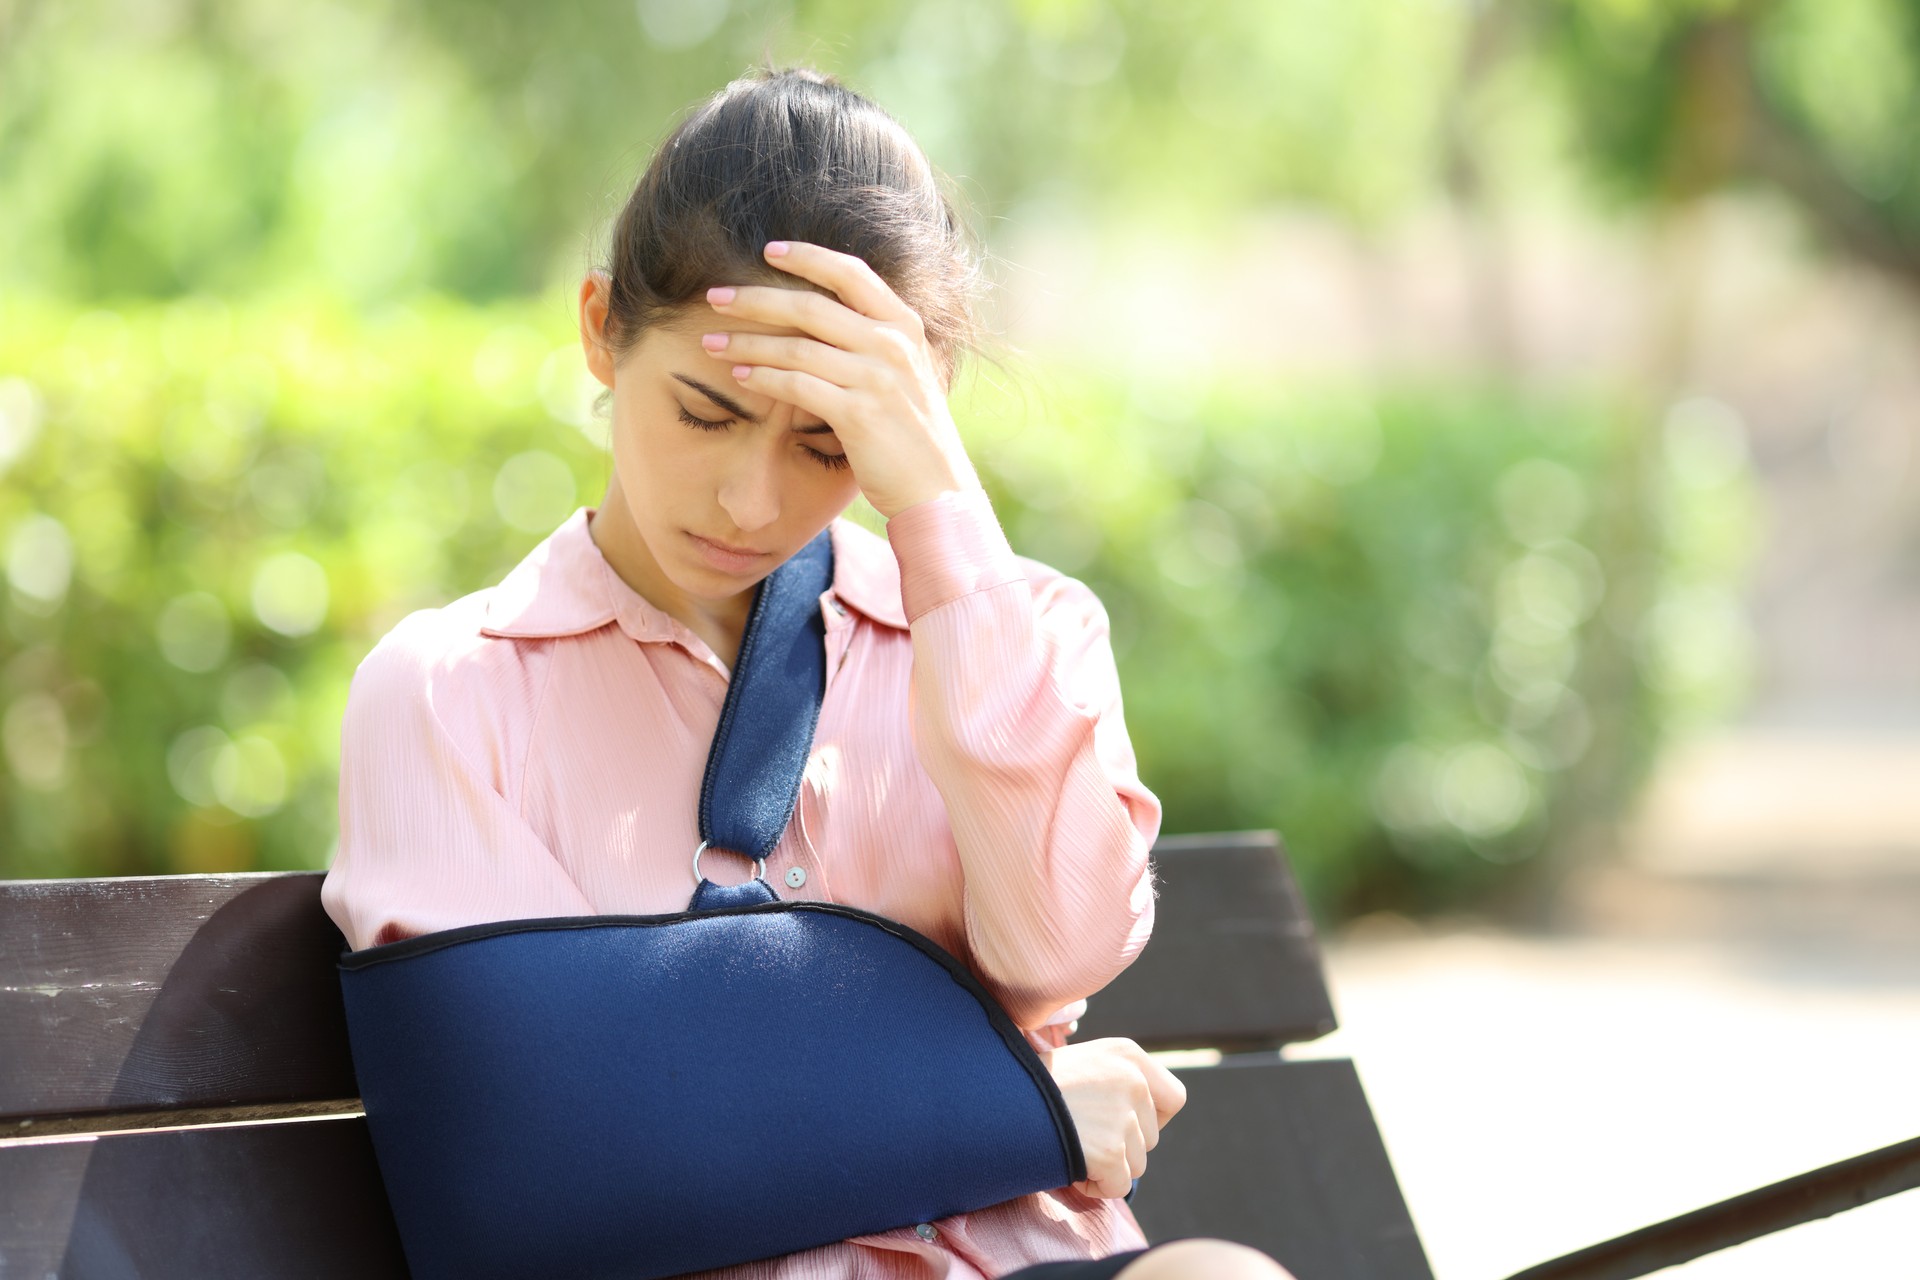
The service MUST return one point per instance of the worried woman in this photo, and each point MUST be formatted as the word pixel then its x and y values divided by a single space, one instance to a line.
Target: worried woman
pixel 786 299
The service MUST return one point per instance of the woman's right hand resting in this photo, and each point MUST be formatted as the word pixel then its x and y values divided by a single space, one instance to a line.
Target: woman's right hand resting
pixel 1119 1099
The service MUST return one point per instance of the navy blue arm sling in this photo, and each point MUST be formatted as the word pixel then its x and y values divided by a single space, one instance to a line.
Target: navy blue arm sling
pixel 644 1096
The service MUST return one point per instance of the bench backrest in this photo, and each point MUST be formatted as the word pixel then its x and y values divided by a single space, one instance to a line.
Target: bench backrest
pixel 177 1097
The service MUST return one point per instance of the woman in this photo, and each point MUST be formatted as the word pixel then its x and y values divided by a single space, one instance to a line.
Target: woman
pixel 777 331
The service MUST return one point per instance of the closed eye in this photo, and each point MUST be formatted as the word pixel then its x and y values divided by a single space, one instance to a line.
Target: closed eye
pixel 831 461
pixel 702 423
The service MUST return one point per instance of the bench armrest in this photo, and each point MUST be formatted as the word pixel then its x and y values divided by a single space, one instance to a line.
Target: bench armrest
pixel 1832 1189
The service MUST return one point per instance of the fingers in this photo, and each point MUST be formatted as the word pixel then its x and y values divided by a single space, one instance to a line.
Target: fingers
pixel 1169 1095
pixel 801 309
pixel 1146 1123
pixel 1111 1173
pixel 816 395
pixel 1164 1089
pixel 831 364
pixel 856 284
pixel 1120 1098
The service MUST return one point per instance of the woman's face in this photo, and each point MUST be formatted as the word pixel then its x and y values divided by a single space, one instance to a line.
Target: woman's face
pixel 699 457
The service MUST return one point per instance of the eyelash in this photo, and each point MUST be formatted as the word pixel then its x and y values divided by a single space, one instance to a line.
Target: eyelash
pixel 831 461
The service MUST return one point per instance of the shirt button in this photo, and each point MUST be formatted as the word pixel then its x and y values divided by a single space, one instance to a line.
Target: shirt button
pixel 926 1231
pixel 796 876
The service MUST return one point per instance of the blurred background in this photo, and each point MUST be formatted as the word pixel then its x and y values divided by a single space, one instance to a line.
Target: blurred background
pixel 1491 426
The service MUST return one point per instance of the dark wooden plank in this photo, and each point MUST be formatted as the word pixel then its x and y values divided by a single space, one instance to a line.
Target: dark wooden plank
pixel 1233 962
pixel 1821 1193
pixel 145 993
pixel 1279 1155
pixel 155 992
pixel 292 1199
pixel 1283 1156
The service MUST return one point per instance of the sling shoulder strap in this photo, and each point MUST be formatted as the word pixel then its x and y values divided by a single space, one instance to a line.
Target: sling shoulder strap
pixel 766 728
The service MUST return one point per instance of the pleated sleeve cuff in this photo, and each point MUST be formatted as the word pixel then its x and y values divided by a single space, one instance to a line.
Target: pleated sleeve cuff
pixel 948 547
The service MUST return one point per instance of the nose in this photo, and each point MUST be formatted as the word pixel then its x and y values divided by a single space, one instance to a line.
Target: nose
pixel 750 490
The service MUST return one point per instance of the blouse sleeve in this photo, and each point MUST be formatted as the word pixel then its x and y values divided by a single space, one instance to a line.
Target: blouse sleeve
pixel 429 836
pixel 1016 716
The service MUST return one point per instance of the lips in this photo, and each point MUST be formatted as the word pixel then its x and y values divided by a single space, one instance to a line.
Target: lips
pixel 738 551
pixel 728 559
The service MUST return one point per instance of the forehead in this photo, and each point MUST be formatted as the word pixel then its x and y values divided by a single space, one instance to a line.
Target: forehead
pixel 673 346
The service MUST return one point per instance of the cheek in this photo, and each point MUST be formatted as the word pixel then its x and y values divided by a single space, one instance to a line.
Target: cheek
pixel 652 458
pixel 818 493
pixel 842 488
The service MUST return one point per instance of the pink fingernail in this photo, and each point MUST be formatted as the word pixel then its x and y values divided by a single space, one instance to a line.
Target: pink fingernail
pixel 776 248
pixel 714 341
pixel 720 296
pixel 741 371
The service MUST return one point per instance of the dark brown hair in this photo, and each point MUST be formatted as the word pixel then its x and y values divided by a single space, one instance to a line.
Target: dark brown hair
pixel 790 154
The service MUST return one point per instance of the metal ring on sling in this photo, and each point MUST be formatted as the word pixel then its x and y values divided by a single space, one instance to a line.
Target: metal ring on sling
pixel 759 864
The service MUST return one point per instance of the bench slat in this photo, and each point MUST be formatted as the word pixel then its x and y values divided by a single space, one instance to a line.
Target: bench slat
pixel 156 992
pixel 1233 962
pixel 148 993
pixel 290 1199
pixel 207 995
pixel 1283 1156
pixel 1280 1155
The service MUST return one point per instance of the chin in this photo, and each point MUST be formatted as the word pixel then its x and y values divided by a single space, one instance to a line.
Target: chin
pixel 718 586
pixel 698 578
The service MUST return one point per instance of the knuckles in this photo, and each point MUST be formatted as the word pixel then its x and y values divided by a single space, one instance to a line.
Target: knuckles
pixel 898 344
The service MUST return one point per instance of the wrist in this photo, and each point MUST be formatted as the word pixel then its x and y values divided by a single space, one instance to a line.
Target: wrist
pixel 949 546
pixel 921 499
pixel 949 481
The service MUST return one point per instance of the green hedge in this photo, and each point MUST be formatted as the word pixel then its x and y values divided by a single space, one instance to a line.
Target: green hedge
pixel 1427 634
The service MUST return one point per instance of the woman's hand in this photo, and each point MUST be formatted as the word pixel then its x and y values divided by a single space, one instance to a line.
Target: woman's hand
pixel 862 365
pixel 1119 1099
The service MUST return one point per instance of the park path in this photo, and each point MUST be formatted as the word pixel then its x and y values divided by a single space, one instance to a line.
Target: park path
pixel 1711 1021
pixel 1538 1095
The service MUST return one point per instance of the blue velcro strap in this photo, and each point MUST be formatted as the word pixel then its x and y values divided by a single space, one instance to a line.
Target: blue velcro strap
pixel 766 727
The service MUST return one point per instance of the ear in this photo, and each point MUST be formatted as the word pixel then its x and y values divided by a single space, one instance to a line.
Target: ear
pixel 596 295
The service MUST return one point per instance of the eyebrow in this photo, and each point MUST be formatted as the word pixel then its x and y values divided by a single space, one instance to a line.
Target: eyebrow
pixel 735 408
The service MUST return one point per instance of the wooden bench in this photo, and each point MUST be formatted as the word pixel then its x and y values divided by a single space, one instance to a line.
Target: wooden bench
pixel 177 1098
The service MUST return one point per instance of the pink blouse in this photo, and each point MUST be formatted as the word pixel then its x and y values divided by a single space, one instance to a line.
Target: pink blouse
pixel 536 749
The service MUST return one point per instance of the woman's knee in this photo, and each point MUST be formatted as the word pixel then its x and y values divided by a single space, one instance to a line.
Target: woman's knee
pixel 1203 1259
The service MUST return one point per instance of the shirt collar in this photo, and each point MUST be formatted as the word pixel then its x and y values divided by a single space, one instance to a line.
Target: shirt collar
pixel 565 587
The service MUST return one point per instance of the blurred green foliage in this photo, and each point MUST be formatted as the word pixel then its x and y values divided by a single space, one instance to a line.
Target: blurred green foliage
pixel 372 151
pixel 210 515
pixel 1426 633
pixel 1816 101
pixel 1383 625
pixel 282 357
